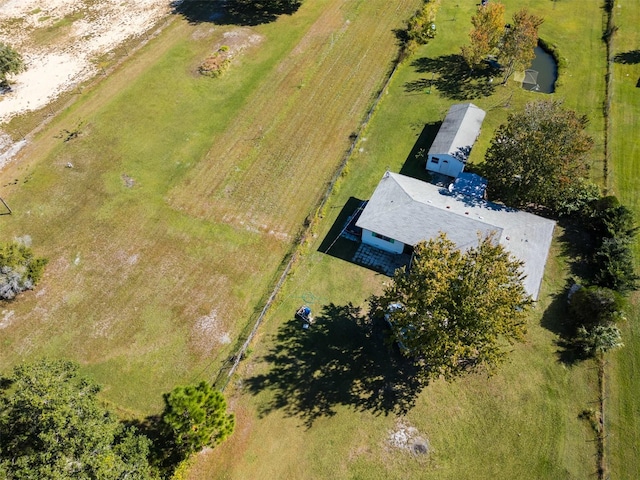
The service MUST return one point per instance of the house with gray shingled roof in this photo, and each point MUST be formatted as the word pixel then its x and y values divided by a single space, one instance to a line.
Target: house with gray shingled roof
pixel 404 211
pixel 451 148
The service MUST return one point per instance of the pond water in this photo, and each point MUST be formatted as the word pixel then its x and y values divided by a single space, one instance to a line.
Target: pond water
pixel 547 75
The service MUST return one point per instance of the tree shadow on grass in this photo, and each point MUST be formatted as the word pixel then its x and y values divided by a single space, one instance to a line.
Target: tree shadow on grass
pixel 557 320
pixel 343 359
pixel 163 454
pixel 453 78
pixel 631 57
pixel 234 12
pixel 576 245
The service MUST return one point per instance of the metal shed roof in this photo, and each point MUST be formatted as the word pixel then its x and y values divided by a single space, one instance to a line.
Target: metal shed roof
pixel 458 131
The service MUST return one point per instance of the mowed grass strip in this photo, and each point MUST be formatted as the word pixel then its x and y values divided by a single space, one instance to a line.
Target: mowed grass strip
pixel 623 371
pixel 270 167
pixel 522 423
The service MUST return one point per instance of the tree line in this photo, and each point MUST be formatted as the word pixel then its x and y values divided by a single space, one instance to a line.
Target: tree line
pixel 54 425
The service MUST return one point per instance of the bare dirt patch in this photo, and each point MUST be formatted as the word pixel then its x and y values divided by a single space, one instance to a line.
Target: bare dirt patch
pixel 6 318
pixel 61 41
pixel 233 44
pixel 209 332
pixel 407 438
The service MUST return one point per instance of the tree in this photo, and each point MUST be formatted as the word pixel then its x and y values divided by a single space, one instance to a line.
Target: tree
pixel 196 416
pixel 53 426
pixel 486 34
pixel 19 269
pixel 595 305
pixel 519 41
pixel 539 156
pixel 577 198
pixel 613 228
pixel 607 217
pixel 421 26
pixel 613 264
pixel 11 62
pixel 600 339
pixel 460 310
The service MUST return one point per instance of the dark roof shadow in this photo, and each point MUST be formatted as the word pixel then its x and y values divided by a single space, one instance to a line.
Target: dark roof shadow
pixel 343 359
pixel 234 12
pixel 334 243
pixel 471 201
pixel 344 241
pixel 453 78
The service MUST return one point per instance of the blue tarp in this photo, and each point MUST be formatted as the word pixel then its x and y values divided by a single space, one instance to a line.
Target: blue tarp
pixel 470 185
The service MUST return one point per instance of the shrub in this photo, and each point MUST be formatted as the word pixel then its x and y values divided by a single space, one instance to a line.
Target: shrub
pixel 599 339
pixel 11 62
pixel 216 64
pixel 613 265
pixel 196 416
pixel 595 305
pixel 19 269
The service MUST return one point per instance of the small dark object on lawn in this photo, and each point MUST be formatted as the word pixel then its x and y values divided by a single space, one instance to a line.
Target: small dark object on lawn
pixel 304 314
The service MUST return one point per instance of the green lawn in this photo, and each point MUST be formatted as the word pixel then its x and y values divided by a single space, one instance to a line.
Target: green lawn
pixel 185 194
pixel 322 403
pixel 624 368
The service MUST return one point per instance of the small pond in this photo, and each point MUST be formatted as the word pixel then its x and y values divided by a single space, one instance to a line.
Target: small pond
pixel 547 73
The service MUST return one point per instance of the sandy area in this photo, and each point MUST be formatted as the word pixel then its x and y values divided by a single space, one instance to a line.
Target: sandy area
pixel 61 39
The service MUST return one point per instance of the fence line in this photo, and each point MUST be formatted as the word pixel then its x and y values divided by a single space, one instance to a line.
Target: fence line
pixel 312 218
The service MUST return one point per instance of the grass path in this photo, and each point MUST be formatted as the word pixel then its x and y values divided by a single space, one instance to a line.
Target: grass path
pixel 623 441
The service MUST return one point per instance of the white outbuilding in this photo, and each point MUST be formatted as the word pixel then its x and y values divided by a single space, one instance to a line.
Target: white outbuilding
pixel 457 134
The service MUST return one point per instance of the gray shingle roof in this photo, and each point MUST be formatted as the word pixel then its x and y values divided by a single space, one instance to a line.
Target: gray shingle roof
pixel 458 131
pixel 409 210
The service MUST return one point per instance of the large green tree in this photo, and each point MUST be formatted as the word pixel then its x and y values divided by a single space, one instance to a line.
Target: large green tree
pixel 11 62
pixel 607 217
pixel 613 228
pixel 519 41
pixel 19 269
pixel 460 310
pixel 539 156
pixel 196 417
pixel 52 426
pixel 486 34
pixel 613 265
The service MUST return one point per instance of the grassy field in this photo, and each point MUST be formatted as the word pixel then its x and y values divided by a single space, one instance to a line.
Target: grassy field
pixel 145 288
pixel 624 368
pixel 323 403
pixel 186 193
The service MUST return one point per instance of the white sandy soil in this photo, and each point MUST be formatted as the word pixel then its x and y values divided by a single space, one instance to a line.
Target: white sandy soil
pixel 98 27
